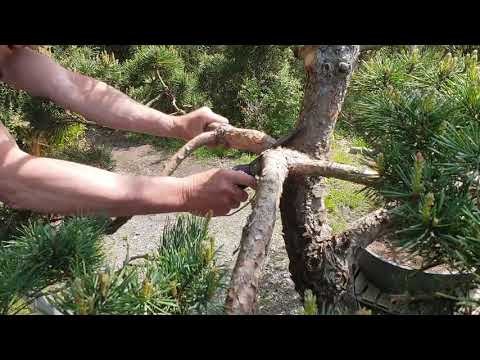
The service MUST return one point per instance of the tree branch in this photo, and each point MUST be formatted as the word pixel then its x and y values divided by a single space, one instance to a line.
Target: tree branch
pixel 331 169
pixel 152 101
pixel 242 139
pixel 172 164
pixel 227 135
pixel 363 231
pixel 256 236
pixel 169 93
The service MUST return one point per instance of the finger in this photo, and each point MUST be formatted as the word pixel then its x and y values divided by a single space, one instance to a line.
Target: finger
pixel 236 205
pixel 223 211
pixel 216 118
pixel 239 195
pixel 241 178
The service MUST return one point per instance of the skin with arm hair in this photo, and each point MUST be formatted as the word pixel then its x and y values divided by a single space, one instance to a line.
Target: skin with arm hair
pixel 62 187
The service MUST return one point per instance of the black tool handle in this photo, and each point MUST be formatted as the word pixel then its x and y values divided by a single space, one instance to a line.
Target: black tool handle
pixel 245 169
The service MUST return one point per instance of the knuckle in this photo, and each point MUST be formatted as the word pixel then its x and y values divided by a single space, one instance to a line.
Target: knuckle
pixel 244 196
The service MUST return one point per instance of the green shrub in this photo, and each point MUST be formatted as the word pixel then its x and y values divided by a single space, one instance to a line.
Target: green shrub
pixel 420 112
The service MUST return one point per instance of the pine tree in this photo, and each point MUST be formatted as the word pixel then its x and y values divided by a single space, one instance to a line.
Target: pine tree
pixel 418 110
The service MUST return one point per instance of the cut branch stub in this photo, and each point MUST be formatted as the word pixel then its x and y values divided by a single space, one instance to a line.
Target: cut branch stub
pixel 328 69
pixel 257 233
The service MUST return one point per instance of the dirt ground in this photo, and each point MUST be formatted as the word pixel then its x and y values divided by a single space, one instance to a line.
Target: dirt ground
pixel 277 294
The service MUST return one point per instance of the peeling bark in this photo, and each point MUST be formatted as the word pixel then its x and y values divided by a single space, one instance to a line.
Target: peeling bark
pixel 313 263
pixel 257 233
pixel 242 139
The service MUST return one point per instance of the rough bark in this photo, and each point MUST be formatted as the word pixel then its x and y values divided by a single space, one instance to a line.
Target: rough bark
pixel 336 259
pixel 313 263
pixel 308 167
pixel 257 233
pixel 242 139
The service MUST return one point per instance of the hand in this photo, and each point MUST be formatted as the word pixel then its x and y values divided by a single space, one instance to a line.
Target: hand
pixel 215 190
pixel 192 124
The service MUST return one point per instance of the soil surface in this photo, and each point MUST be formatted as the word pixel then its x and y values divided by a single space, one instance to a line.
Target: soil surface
pixel 386 250
pixel 277 294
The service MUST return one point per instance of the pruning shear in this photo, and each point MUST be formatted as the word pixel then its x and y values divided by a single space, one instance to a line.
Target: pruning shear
pixel 253 168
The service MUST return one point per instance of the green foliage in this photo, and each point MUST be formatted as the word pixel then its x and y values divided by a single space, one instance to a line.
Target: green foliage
pixel 95 63
pixel 187 258
pixel 181 277
pixel 420 112
pixel 116 293
pixel 310 303
pixel 151 68
pixel 99 156
pixel 254 86
pixel 40 255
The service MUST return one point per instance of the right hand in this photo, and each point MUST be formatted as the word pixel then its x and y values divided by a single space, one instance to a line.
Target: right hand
pixel 215 190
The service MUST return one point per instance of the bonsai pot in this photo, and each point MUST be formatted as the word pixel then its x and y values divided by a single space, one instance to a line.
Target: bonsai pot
pixel 395 278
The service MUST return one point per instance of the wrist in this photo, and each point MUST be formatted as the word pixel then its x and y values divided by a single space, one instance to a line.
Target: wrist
pixel 178 129
pixel 163 125
pixel 163 194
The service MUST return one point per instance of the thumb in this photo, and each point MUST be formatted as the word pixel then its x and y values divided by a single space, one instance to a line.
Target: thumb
pixel 213 117
pixel 241 178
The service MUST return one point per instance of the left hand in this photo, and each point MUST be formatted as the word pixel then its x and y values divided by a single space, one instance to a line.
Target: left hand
pixel 194 123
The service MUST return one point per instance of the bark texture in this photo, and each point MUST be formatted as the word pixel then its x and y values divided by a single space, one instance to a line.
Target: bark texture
pixel 257 233
pixel 309 167
pixel 313 260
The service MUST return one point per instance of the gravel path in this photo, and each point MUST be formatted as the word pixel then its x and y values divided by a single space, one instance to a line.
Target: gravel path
pixel 277 294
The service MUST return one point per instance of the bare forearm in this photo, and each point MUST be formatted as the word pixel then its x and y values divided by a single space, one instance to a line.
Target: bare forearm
pixel 61 187
pixel 97 101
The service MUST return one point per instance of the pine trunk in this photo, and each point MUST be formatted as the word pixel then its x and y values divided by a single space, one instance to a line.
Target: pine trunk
pixel 316 262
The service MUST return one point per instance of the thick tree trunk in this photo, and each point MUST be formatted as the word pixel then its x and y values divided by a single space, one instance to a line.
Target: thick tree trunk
pixel 314 263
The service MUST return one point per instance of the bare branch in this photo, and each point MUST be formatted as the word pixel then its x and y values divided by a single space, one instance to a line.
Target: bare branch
pixel 235 138
pixel 138 257
pixel 155 99
pixel 242 139
pixel 363 231
pixel 227 135
pixel 205 138
pixel 255 242
pixel 331 169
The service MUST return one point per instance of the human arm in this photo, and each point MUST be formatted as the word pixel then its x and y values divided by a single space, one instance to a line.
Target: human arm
pixel 61 187
pixel 39 75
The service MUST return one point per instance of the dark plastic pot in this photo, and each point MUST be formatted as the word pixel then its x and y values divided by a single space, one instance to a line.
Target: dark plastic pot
pixel 397 279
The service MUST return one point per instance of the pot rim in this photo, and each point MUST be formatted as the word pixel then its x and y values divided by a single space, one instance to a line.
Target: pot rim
pixel 410 269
